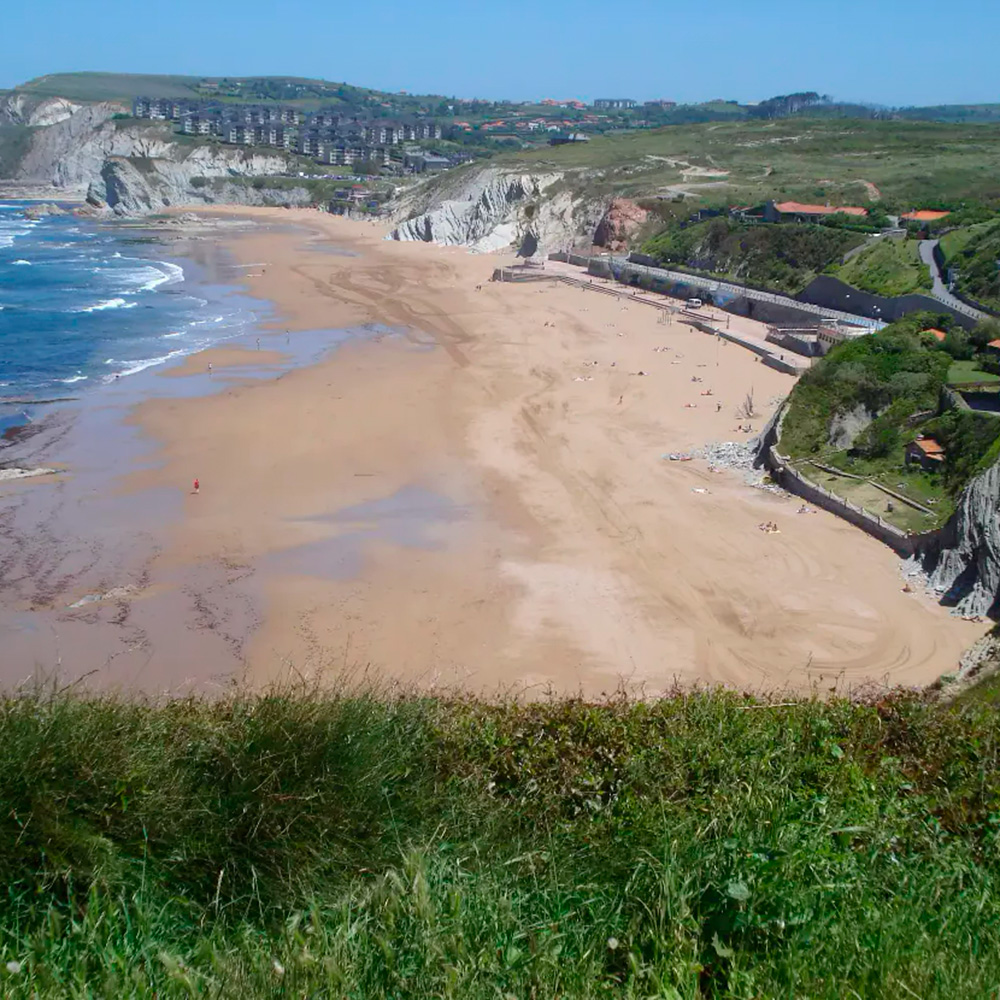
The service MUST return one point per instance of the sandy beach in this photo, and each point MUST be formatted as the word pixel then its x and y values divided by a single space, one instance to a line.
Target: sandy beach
pixel 471 491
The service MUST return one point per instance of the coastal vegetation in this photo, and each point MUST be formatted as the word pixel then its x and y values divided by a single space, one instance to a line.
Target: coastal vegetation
pixel 889 267
pixel 911 164
pixel 974 254
pixel 785 257
pixel 870 397
pixel 705 844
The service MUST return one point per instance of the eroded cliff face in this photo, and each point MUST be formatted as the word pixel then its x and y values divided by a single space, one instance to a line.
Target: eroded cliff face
pixel 620 224
pixel 21 109
pixel 966 570
pixel 131 168
pixel 489 208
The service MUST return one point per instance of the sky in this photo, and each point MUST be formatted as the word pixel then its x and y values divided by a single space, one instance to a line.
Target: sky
pixel 890 52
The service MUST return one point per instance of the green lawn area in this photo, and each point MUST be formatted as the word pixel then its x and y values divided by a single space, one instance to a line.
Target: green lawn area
pixel 964 372
pixel 926 488
pixel 888 267
pixel 864 494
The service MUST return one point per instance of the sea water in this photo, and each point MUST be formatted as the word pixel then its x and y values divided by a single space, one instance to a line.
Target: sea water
pixel 83 304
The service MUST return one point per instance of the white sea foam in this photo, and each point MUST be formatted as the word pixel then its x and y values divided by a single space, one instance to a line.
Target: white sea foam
pixel 172 275
pixel 75 378
pixel 10 231
pixel 134 367
pixel 179 333
pixel 153 274
pixel 108 304
pixel 22 263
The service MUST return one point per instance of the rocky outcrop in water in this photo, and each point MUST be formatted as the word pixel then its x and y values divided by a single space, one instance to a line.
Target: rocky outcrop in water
pixel 966 569
pixel 489 208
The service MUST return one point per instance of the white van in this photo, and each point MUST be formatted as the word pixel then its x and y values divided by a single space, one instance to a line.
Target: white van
pixel 694 303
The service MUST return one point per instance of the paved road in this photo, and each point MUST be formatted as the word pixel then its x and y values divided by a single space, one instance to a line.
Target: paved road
pixel 941 293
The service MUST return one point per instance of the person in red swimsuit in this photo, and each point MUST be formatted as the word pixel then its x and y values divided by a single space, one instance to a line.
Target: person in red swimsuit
pixel 197 486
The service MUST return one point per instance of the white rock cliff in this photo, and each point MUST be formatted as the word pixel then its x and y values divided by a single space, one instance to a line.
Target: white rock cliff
pixel 488 208
pixel 134 167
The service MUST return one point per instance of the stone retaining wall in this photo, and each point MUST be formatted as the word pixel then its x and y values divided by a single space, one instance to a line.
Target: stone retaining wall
pixel 789 478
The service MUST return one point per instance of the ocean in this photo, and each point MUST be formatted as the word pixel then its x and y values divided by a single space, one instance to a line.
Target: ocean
pixel 83 305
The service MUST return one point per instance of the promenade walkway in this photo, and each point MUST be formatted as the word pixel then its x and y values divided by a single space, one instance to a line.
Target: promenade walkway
pixel 940 291
pixel 748 333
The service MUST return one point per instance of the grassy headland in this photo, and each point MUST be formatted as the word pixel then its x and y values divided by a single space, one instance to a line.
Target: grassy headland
pixel 703 845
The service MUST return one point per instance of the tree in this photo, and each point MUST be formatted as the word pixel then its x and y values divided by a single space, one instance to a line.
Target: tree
pixel 958 344
pixel 985 331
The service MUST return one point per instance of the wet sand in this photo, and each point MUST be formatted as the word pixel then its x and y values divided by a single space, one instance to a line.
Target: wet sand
pixel 471 491
pixel 217 358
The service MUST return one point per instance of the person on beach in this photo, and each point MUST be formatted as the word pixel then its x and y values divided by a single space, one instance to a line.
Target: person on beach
pixel 197 487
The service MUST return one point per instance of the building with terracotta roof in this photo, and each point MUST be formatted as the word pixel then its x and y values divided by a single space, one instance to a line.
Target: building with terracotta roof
pixel 938 335
pixel 927 451
pixel 795 211
pixel 923 215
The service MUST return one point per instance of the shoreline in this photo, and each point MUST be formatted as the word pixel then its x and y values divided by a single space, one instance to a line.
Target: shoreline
pixel 471 494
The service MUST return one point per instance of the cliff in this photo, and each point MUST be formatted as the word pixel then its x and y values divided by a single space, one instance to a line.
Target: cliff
pixel 22 109
pixel 486 207
pixel 620 224
pixel 966 569
pixel 131 167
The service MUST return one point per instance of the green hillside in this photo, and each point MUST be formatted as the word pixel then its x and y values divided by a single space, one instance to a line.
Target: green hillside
pixel 974 252
pixel 888 267
pixel 785 258
pixel 909 163
pixel 705 845
pixel 299 91
pixel 110 86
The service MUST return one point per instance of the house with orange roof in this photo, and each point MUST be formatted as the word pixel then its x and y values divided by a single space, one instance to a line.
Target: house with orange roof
pixel 795 211
pixel 923 215
pixel 927 451
pixel 938 335
pixel 993 348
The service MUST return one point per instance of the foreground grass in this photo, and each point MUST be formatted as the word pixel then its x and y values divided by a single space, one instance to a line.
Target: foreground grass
pixel 703 845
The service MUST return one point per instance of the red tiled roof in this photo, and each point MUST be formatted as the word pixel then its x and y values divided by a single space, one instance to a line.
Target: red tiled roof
pixel 924 215
pixel 930 447
pixel 796 208
pixel 994 343
pixel 937 334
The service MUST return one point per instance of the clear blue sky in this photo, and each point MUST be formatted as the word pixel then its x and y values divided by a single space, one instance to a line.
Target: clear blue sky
pixel 886 51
